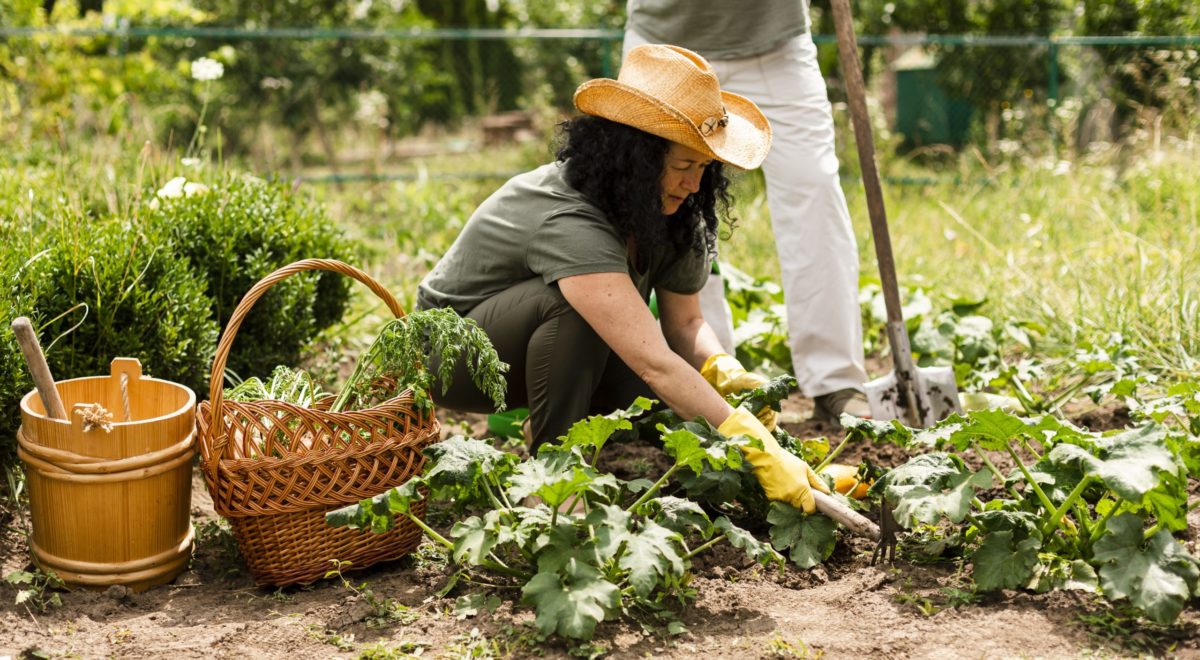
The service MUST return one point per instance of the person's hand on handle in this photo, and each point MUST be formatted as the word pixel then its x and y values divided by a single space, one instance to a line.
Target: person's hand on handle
pixel 728 376
pixel 783 475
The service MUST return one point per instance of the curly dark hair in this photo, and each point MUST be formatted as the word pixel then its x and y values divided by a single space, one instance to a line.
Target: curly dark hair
pixel 619 168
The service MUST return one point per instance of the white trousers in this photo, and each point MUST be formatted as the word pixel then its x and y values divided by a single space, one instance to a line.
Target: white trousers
pixel 818 254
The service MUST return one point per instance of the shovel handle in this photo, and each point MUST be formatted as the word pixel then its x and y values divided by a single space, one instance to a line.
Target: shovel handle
pixel 856 97
pixel 849 518
pixel 28 341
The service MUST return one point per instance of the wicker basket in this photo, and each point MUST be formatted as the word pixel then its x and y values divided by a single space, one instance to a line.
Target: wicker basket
pixel 274 469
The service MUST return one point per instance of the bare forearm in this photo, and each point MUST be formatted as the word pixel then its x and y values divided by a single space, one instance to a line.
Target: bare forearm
pixel 694 342
pixel 685 391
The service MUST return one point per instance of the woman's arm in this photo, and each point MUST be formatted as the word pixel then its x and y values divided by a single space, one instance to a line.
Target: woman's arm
pixel 611 305
pixel 685 329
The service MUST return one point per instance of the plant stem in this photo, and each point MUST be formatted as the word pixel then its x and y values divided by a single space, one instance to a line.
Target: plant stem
pixel 1029 448
pixel 360 369
pixel 1149 533
pixel 1023 395
pixel 500 490
pixel 995 471
pixel 1057 515
pixel 833 454
pixel 1041 495
pixel 705 546
pixel 429 531
pixel 653 488
pixel 1083 519
pixel 1102 525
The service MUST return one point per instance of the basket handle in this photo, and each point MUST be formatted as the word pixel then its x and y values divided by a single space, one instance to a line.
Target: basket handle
pixel 216 388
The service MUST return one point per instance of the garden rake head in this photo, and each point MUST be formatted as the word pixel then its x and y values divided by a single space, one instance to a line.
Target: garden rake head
pixel 918 396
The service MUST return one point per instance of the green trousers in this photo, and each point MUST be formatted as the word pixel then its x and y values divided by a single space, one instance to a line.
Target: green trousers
pixel 559 367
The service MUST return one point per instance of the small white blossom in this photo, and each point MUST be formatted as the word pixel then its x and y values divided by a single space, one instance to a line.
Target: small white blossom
pixel 181 187
pixel 206 68
pixel 372 108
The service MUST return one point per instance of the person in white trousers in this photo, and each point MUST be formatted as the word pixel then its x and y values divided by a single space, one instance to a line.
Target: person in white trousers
pixel 765 51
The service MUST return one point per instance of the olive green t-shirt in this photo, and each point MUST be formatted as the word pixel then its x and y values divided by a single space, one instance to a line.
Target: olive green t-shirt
pixel 537 225
pixel 719 29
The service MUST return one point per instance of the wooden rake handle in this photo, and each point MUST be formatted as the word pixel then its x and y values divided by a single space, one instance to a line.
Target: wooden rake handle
pixel 28 341
pixel 849 518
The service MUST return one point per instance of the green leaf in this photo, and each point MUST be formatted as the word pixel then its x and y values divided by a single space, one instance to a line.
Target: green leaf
pixel 760 552
pixel 1056 480
pixel 992 429
pixel 612 528
pixel 1156 575
pixel 684 446
pixel 594 431
pixel 570 606
pixel 561 549
pixel 769 395
pixel 1022 524
pixel 1054 573
pixel 1137 465
pixel 19 577
pixel 376 514
pixel 466 472
pixel 649 554
pixel 1001 564
pixel 679 515
pixel 473 540
pixel 470 604
pixel 890 431
pixel 811 538
pixel 930 486
pixel 554 476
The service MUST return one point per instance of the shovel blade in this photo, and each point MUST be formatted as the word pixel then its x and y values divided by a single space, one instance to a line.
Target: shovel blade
pixel 933 385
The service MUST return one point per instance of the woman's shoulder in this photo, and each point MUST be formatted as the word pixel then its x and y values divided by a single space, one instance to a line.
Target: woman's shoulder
pixel 545 190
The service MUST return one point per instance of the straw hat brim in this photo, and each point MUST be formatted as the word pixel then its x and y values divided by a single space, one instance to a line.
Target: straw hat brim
pixel 743 142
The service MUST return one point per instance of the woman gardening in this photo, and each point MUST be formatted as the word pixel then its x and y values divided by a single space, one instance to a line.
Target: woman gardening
pixel 557 265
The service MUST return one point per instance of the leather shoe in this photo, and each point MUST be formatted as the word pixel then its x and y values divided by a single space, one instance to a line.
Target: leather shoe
pixel 829 407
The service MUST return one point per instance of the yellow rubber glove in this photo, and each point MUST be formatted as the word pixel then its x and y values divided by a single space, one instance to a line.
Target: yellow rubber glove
pixel 782 474
pixel 728 376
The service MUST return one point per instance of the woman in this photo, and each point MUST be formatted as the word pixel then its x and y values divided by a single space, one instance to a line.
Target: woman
pixel 557 265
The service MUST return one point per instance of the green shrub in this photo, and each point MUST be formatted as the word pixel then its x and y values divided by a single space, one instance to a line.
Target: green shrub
pixel 103 289
pixel 236 234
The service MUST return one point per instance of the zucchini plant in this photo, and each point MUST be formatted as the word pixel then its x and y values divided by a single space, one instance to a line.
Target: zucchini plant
pixel 582 546
pixel 1078 510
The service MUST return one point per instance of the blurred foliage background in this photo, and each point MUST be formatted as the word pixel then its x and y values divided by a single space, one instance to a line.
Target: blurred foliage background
pixel 301 76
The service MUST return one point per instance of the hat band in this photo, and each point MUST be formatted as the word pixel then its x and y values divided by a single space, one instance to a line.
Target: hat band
pixel 714 123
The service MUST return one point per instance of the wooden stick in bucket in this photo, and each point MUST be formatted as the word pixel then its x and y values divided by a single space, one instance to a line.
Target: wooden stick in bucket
pixel 42 379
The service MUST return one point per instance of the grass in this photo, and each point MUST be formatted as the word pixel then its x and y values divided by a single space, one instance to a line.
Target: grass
pixel 1085 246
pixel 1103 244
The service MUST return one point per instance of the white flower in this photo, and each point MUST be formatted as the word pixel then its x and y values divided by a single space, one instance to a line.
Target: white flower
pixel 173 188
pixel 372 108
pixel 206 68
pixel 181 187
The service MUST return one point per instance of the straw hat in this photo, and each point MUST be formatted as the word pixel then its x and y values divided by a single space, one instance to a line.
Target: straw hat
pixel 673 93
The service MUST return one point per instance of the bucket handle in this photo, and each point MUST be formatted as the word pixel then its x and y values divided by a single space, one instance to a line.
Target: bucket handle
pixel 216 387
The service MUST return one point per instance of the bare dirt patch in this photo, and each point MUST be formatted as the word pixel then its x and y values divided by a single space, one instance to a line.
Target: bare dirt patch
pixel 844 608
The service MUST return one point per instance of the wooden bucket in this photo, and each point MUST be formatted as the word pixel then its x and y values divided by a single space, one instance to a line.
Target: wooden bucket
pixel 112 507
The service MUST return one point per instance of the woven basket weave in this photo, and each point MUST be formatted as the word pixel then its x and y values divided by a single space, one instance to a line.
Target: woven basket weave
pixel 274 468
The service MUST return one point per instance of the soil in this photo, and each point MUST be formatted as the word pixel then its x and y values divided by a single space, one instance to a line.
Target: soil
pixel 843 608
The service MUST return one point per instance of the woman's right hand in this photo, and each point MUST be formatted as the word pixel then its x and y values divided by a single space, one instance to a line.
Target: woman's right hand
pixel 784 476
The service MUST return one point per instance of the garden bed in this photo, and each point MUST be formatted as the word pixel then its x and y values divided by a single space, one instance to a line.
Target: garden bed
pixel 844 607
